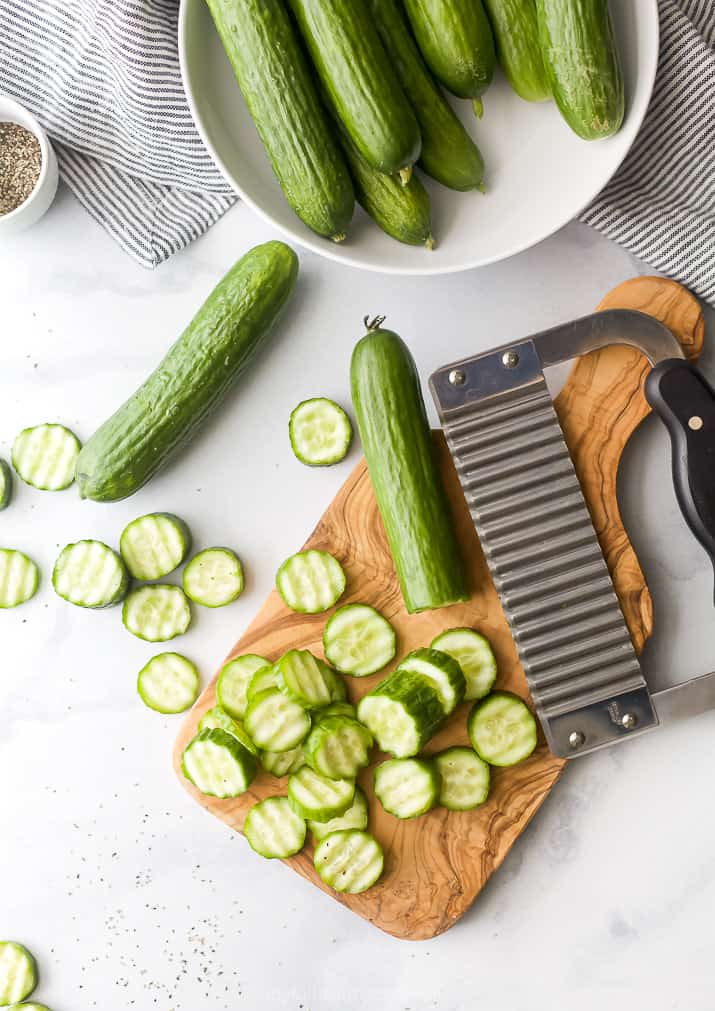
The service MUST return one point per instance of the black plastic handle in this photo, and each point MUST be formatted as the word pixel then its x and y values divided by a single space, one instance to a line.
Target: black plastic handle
pixel 685 401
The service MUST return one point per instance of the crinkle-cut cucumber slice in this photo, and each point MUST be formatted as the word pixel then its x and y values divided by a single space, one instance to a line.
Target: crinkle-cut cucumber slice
pixel 157 613
pixel 335 709
pixel 154 545
pixel 338 747
pixel 233 682
pixel 5 485
pixel 402 713
pixel 218 764
pixel 275 722
pixel 442 671
pixel 318 798
pixel 355 817
pixel 45 456
pixel 273 829
pixel 263 680
pixel 349 860
pixel 357 640
pixel 407 787
pixel 19 578
pixel 310 582
pixel 305 679
pixel 464 779
pixel 474 655
pixel 90 574
pixel 502 729
pixel 18 972
pixel 214 577
pixel 320 432
pixel 283 763
pixel 169 683
pixel 218 719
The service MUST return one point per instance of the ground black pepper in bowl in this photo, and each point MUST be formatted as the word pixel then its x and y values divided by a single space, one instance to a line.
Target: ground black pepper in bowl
pixel 20 165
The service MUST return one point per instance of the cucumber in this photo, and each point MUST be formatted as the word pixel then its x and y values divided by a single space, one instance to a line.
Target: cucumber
pixel 273 829
pixel 403 712
pixel 349 861
pixel 338 747
pixel 336 709
pixel 474 655
pixel 457 42
pixel 355 817
pixel 317 798
pixel 233 682
pixel 273 74
pixel 441 671
pixel 199 370
pixel 358 640
pixel 310 582
pixel 45 456
pixel 18 972
pixel 214 577
pixel 449 154
pixel 399 450
pixel 361 85
pixel 19 578
pixel 464 779
pixel 516 34
pixel 5 485
pixel 169 683
pixel 320 432
pixel 265 679
pixel 154 545
pixel 276 723
pixel 583 65
pixel 407 787
pixel 304 679
pixel 156 613
pixel 502 729
pixel 90 574
pixel 283 763
pixel 218 719
pixel 218 764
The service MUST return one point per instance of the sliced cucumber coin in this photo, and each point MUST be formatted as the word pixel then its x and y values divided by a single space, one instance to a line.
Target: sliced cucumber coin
pixel 218 719
pixel 407 787
pixel 273 829
pixel 157 613
pixel 18 972
pixel 19 578
pixel 349 861
pixel 5 485
pixel 264 679
pixel 357 640
pixel 355 817
pixel 502 729
pixel 311 581
pixel 336 709
pixel 320 432
pixel 154 545
pixel 45 456
pixel 474 655
pixel 218 764
pixel 338 747
pixel 214 577
pixel 305 679
pixel 318 798
pixel 464 779
pixel 276 722
pixel 402 713
pixel 90 574
pixel 442 671
pixel 233 681
pixel 283 763
pixel 169 683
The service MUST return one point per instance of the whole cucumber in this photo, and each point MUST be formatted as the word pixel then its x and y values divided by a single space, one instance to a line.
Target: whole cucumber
pixel 583 65
pixel 516 34
pixel 196 374
pixel 449 154
pixel 274 76
pixel 456 41
pixel 360 83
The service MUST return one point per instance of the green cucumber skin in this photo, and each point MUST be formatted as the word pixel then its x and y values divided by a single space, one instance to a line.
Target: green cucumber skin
pixel 198 371
pixel 361 85
pixel 6 492
pixel 456 41
pixel 583 65
pixel 397 442
pixel 516 34
pixel 449 154
pixel 276 82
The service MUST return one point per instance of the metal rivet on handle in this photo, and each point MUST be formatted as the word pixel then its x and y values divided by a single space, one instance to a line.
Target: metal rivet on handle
pixel 576 739
pixel 695 423
pixel 457 377
pixel 628 721
pixel 510 359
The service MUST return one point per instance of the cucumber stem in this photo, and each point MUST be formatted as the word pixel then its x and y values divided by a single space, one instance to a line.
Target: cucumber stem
pixel 375 324
pixel 405 175
pixel 478 107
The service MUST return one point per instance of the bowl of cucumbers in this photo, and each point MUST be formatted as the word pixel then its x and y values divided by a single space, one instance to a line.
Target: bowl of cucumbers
pixel 418 136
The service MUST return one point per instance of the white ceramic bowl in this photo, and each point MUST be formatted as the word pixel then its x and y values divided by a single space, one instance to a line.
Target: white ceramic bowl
pixel 540 175
pixel 46 186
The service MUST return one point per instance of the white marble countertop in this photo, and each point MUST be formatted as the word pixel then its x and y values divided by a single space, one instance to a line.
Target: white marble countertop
pixel 130 895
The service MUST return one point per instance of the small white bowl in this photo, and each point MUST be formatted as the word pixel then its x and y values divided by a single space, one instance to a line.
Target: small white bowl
pixel 46 186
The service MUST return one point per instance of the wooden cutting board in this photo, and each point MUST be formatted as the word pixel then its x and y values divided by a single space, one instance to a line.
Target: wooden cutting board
pixel 436 865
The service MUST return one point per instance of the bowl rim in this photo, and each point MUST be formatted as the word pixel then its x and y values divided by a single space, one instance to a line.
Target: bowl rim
pixel 12 108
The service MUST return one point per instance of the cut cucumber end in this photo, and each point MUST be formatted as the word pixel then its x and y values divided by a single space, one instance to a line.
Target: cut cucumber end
pixel 311 582
pixel 157 613
pixel 358 640
pixel 502 729
pixel 18 973
pixel 90 574
pixel 19 578
pixel 214 577
pixel 349 861
pixel 154 545
pixel 320 432
pixel 45 456
pixel 169 683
